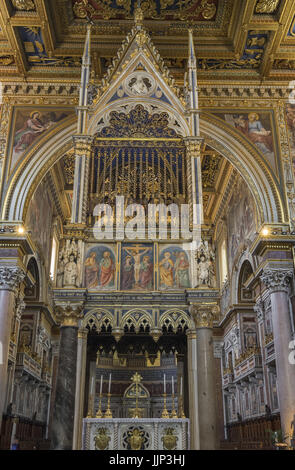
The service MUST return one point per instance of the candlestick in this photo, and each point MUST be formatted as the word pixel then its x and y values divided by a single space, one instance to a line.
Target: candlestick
pixel 99 413
pixel 164 383
pixel 173 411
pixel 108 413
pixel 90 407
pixel 180 386
pixel 165 413
pixel 110 381
pixel 100 390
pixel 92 386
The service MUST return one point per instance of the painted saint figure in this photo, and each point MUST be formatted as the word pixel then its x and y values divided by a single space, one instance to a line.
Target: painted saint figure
pixel 107 270
pixel 146 273
pixel 127 274
pixel 32 128
pixel 182 270
pixel 166 267
pixel 91 271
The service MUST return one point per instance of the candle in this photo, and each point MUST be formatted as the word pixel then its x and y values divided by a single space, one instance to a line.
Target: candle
pixel 110 381
pixel 92 386
pixel 100 391
pixel 164 383
pixel 172 385
pixel 181 386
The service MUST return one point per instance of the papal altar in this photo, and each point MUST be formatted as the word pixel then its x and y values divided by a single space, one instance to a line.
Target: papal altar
pixel 135 434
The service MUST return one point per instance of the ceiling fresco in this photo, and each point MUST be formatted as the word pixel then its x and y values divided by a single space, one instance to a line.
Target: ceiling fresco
pixel 234 39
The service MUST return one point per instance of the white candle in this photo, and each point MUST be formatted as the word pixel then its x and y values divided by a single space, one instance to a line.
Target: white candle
pixel 181 386
pixel 164 383
pixel 92 386
pixel 110 381
pixel 100 391
pixel 172 385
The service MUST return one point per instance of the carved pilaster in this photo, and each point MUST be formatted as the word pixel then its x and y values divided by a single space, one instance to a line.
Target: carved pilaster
pixel 259 310
pixel 11 277
pixel 69 314
pixel 277 280
pixel 204 314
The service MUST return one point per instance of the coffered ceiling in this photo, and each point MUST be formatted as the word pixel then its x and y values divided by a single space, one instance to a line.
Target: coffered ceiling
pixel 237 40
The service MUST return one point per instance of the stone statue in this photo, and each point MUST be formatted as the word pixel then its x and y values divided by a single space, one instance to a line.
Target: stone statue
pixel 68 265
pixel 205 258
pixel 71 272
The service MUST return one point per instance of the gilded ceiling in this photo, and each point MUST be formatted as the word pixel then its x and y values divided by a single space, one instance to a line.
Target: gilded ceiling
pixel 235 39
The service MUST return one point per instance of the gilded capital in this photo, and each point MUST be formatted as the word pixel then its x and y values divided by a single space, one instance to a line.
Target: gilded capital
pixel 277 280
pixel 69 314
pixel 11 277
pixel 193 147
pixel 83 145
pixel 204 314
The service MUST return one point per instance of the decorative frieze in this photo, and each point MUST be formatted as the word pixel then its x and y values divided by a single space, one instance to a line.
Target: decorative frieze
pixel 277 280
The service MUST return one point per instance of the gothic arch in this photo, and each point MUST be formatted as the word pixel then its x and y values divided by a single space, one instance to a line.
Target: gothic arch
pixel 175 320
pixel 137 321
pixel 220 136
pixel 98 320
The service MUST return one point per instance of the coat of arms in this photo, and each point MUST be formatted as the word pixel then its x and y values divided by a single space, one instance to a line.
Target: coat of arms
pixel 101 439
pixel 169 439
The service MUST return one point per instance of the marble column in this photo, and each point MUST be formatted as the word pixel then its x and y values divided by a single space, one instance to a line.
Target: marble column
pixel 203 315
pixel 193 389
pixel 10 279
pixel 80 387
pixel 278 281
pixel 64 405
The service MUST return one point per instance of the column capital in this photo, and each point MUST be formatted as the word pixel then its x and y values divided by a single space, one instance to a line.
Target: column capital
pixel 277 280
pixel 191 334
pixel 83 333
pixel 11 277
pixel 204 314
pixel 194 145
pixel 82 145
pixel 69 314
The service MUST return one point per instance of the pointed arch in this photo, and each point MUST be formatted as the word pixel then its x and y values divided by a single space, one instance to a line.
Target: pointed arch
pixel 175 320
pixel 99 320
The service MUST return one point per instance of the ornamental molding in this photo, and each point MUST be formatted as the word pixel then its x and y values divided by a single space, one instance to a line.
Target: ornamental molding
pixel 259 310
pixel 204 314
pixel 11 277
pixel 277 280
pixel 69 314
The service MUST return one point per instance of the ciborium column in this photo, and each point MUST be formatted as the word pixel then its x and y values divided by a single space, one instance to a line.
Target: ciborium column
pixel 278 283
pixel 64 406
pixel 203 315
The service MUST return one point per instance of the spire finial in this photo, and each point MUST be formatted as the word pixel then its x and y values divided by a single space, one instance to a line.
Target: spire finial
pixel 138 15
